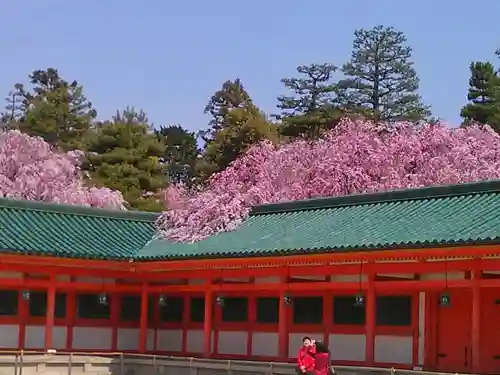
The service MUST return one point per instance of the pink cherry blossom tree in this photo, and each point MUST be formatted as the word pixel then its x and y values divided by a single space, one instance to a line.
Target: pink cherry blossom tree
pixel 358 156
pixel 31 169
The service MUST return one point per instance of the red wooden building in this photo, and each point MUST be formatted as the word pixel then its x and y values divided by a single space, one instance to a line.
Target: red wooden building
pixel 407 278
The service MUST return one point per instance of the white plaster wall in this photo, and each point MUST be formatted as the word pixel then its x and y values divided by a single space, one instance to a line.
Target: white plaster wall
pixel 194 341
pixel 421 328
pixel 89 338
pixel 309 278
pixel 63 278
pixel 394 349
pixel 150 340
pixel 94 280
pixel 443 276
pixel 10 275
pixel 128 339
pixel 345 347
pixel 35 337
pixel 349 278
pixel 265 280
pixel 265 344
pixel 397 275
pixel 169 340
pixel 9 336
pixel 232 342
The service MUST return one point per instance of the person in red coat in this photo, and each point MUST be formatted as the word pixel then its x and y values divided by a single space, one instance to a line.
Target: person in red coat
pixel 305 358
pixel 322 364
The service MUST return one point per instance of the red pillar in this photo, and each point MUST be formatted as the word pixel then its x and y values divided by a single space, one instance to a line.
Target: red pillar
pixel 476 322
pixel 143 333
pixel 282 328
pixel 207 324
pixel 370 321
pixel 49 316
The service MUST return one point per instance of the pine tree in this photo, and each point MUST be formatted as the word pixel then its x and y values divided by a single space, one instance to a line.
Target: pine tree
pixel 125 154
pixel 14 109
pixel 231 95
pixel 236 124
pixel 180 154
pixel 483 95
pixel 381 81
pixel 244 128
pixel 312 107
pixel 56 110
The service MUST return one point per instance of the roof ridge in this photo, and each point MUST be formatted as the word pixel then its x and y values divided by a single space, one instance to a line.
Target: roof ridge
pixel 69 209
pixel 428 192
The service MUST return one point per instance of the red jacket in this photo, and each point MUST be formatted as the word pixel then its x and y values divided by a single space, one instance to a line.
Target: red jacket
pixel 322 364
pixel 305 358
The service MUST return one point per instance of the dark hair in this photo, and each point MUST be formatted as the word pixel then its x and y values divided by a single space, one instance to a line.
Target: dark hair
pixel 306 338
pixel 321 347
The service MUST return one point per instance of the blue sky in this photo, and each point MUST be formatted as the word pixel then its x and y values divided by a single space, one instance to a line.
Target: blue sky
pixel 168 57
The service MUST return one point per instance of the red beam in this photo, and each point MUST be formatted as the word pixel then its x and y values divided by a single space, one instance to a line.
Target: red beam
pixel 469 251
pixel 68 285
pixel 295 271
pixel 50 261
pixel 109 269
pixel 34 268
pixel 488 264
pixel 410 285
pixel 406 285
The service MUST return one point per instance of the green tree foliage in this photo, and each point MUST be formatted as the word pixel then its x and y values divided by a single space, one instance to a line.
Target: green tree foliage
pixel 13 109
pixel 483 95
pixel 235 125
pixel 55 109
pixel 312 107
pixel 231 95
pixel 243 128
pixel 180 153
pixel 125 154
pixel 381 82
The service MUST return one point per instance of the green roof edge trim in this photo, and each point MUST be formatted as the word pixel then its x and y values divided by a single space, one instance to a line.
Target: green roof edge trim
pixel 407 194
pixel 78 210
pixel 338 250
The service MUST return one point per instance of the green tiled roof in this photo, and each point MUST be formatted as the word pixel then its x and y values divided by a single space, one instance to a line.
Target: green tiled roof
pixel 428 217
pixel 72 231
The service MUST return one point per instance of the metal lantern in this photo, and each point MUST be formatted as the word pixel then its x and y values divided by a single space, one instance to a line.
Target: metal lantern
pixel 360 300
pixel 26 294
pixel 287 300
pixel 162 300
pixel 103 299
pixel 220 301
pixel 444 299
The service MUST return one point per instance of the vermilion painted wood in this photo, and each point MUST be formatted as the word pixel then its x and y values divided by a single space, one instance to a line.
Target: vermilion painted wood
pixel 370 321
pixel 326 289
pixel 476 321
pixel 109 267
pixel 143 332
pixel 49 320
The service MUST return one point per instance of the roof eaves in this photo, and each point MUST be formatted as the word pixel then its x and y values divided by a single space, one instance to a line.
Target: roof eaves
pixel 431 192
pixel 78 210
pixel 64 254
pixel 347 249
